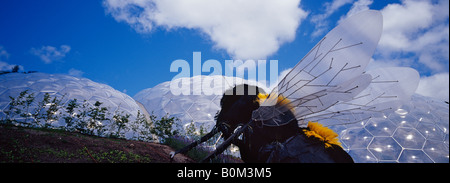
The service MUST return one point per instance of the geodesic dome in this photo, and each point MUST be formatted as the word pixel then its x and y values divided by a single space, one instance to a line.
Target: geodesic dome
pixel 416 132
pixel 66 88
pixel 197 109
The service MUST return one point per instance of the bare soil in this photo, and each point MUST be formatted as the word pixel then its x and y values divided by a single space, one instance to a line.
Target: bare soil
pixel 21 145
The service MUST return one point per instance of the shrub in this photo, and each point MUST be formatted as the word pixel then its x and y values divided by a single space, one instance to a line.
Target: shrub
pixel 93 119
pixel 84 117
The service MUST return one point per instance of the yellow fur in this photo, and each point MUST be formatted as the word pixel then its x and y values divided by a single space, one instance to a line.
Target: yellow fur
pixel 323 133
pixel 282 101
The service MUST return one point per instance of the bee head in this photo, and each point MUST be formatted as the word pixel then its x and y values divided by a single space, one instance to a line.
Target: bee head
pixel 237 105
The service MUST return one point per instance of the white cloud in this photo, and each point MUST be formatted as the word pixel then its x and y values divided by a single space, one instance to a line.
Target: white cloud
pixel 335 5
pixel 417 30
pixel 250 29
pixel 436 86
pixel 402 20
pixel 358 6
pixel 5 66
pixel 48 54
pixel 284 73
pixel 374 64
pixel 320 20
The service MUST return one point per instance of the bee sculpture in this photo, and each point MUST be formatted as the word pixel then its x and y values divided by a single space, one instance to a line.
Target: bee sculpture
pixel 329 85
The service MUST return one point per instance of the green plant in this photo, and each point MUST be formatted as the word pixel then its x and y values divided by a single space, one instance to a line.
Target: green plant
pixel 28 101
pixel 163 128
pixel 195 133
pixel 18 107
pixel 37 114
pixel 191 131
pixel 53 106
pixel 81 117
pixel 70 118
pixel 120 119
pixel 142 128
pixel 97 114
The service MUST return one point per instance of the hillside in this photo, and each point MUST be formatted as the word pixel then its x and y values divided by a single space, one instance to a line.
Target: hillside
pixel 19 144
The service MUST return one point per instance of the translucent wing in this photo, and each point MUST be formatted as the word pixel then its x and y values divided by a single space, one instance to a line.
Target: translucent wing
pixel 331 72
pixel 389 89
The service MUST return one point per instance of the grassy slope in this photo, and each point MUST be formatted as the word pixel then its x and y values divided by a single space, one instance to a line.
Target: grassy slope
pixel 39 145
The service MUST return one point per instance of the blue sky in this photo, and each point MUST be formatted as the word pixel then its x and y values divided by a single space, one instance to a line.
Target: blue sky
pixel 130 44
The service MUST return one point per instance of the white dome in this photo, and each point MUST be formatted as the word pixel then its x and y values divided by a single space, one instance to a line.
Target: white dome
pixel 199 109
pixel 417 132
pixel 66 88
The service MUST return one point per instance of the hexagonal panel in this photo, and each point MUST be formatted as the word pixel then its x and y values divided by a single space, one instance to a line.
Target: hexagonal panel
pixel 199 115
pixel 437 151
pixel 414 156
pixel 380 127
pixel 173 107
pixel 409 138
pixel 4 104
pixel 14 83
pixel 403 120
pixel 362 156
pixel 203 110
pixel 424 115
pixel 48 87
pixel 430 131
pixel 443 126
pixel 76 93
pixel 358 124
pixel 356 138
pixel 14 92
pixel 385 148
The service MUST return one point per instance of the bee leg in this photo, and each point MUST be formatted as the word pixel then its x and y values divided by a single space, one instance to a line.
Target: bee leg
pixel 225 144
pixel 193 144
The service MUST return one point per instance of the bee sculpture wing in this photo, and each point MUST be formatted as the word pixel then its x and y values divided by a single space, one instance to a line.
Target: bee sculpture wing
pixel 389 89
pixel 332 72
